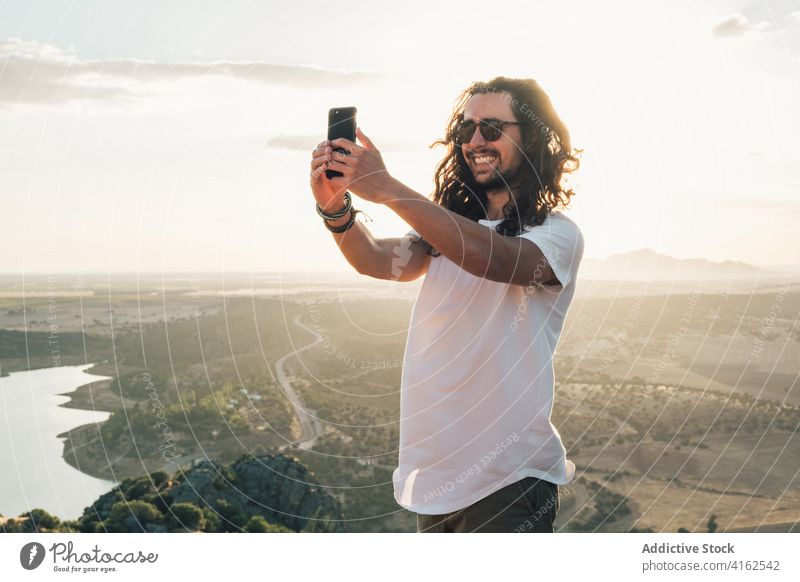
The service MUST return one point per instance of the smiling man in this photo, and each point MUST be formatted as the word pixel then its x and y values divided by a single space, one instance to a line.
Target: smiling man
pixel 478 451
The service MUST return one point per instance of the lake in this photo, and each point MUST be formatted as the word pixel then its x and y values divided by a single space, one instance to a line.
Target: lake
pixel 34 473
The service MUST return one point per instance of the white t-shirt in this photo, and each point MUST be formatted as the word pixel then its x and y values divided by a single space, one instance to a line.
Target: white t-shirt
pixel 477 382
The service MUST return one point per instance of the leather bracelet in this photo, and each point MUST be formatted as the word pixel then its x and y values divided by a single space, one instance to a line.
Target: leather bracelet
pixel 344 227
pixel 348 204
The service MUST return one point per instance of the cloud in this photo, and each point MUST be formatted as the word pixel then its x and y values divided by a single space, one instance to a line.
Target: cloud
pixel 736 26
pixel 298 143
pixel 306 143
pixel 36 73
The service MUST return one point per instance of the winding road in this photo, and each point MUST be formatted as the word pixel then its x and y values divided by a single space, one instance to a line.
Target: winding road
pixel 311 427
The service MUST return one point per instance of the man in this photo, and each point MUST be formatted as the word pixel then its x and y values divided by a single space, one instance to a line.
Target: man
pixel 478 451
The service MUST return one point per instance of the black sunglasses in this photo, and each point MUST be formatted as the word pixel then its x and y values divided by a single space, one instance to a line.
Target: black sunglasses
pixel 491 129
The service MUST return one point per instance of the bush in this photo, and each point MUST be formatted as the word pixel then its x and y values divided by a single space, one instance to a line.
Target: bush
pixel 257 524
pixel 187 515
pixel 232 519
pixel 39 519
pixel 212 520
pixel 131 516
pixel 160 478
pixel 139 488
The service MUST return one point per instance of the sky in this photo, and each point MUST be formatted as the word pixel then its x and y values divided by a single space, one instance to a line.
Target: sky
pixel 143 136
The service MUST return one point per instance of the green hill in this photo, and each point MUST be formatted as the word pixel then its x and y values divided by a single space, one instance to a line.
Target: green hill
pixel 255 494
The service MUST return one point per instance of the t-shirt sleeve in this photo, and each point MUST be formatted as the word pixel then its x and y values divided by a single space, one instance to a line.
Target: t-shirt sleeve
pixel 561 242
pixel 416 237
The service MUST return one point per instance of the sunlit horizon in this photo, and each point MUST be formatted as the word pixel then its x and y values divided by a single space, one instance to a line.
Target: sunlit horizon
pixel 183 147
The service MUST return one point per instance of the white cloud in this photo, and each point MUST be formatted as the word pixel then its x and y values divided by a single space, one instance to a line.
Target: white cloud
pixel 300 143
pixel 306 143
pixel 36 73
pixel 737 25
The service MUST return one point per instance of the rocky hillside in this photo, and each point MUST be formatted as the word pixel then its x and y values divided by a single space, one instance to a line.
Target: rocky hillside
pixel 255 494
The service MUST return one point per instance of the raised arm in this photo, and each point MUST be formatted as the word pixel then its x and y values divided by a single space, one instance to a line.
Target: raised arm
pixel 396 259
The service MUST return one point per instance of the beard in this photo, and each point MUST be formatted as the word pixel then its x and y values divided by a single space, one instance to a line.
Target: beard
pixel 499 180
pixel 495 182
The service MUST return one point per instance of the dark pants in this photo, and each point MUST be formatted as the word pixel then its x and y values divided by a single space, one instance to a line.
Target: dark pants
pixel 526 506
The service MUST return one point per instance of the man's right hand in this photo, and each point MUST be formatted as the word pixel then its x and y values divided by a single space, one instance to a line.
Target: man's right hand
pixel 329 197
pixel 396 259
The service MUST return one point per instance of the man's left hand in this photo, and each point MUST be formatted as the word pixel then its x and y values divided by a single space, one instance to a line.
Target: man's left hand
pixel 365 174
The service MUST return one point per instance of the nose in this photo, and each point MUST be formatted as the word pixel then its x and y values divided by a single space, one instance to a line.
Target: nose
pixel 477 139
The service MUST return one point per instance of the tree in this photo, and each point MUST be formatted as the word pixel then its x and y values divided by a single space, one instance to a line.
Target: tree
pixel 40 519
pixel 712 524
pixel 159 478
pixel 187 515
pixel 139 488
pixel 132 516
pixel 212 520
pixel 257 524
pixel 232 517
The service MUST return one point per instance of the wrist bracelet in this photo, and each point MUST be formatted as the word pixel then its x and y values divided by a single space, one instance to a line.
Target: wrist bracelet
pixel 348 204
pixel 344 227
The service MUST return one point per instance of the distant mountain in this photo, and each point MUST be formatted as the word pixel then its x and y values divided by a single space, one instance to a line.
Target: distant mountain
pixel 648 265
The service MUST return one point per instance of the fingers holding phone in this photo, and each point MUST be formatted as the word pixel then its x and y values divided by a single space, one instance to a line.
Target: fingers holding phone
pixel 319 157
pixel 339 164
pixel 365 173
pixel 329 195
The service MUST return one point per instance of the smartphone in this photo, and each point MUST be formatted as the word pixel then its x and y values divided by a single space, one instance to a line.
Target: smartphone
pixel 341 123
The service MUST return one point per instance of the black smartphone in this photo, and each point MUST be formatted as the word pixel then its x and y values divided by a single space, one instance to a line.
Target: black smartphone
pixel 341 123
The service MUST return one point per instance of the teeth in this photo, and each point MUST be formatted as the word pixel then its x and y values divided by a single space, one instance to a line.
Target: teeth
pixel 484 159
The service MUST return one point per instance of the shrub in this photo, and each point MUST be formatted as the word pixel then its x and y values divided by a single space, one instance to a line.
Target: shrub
pixel 188 516
pixel 257 524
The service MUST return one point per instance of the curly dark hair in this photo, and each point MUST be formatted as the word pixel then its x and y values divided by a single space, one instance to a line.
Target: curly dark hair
pixel 546 148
